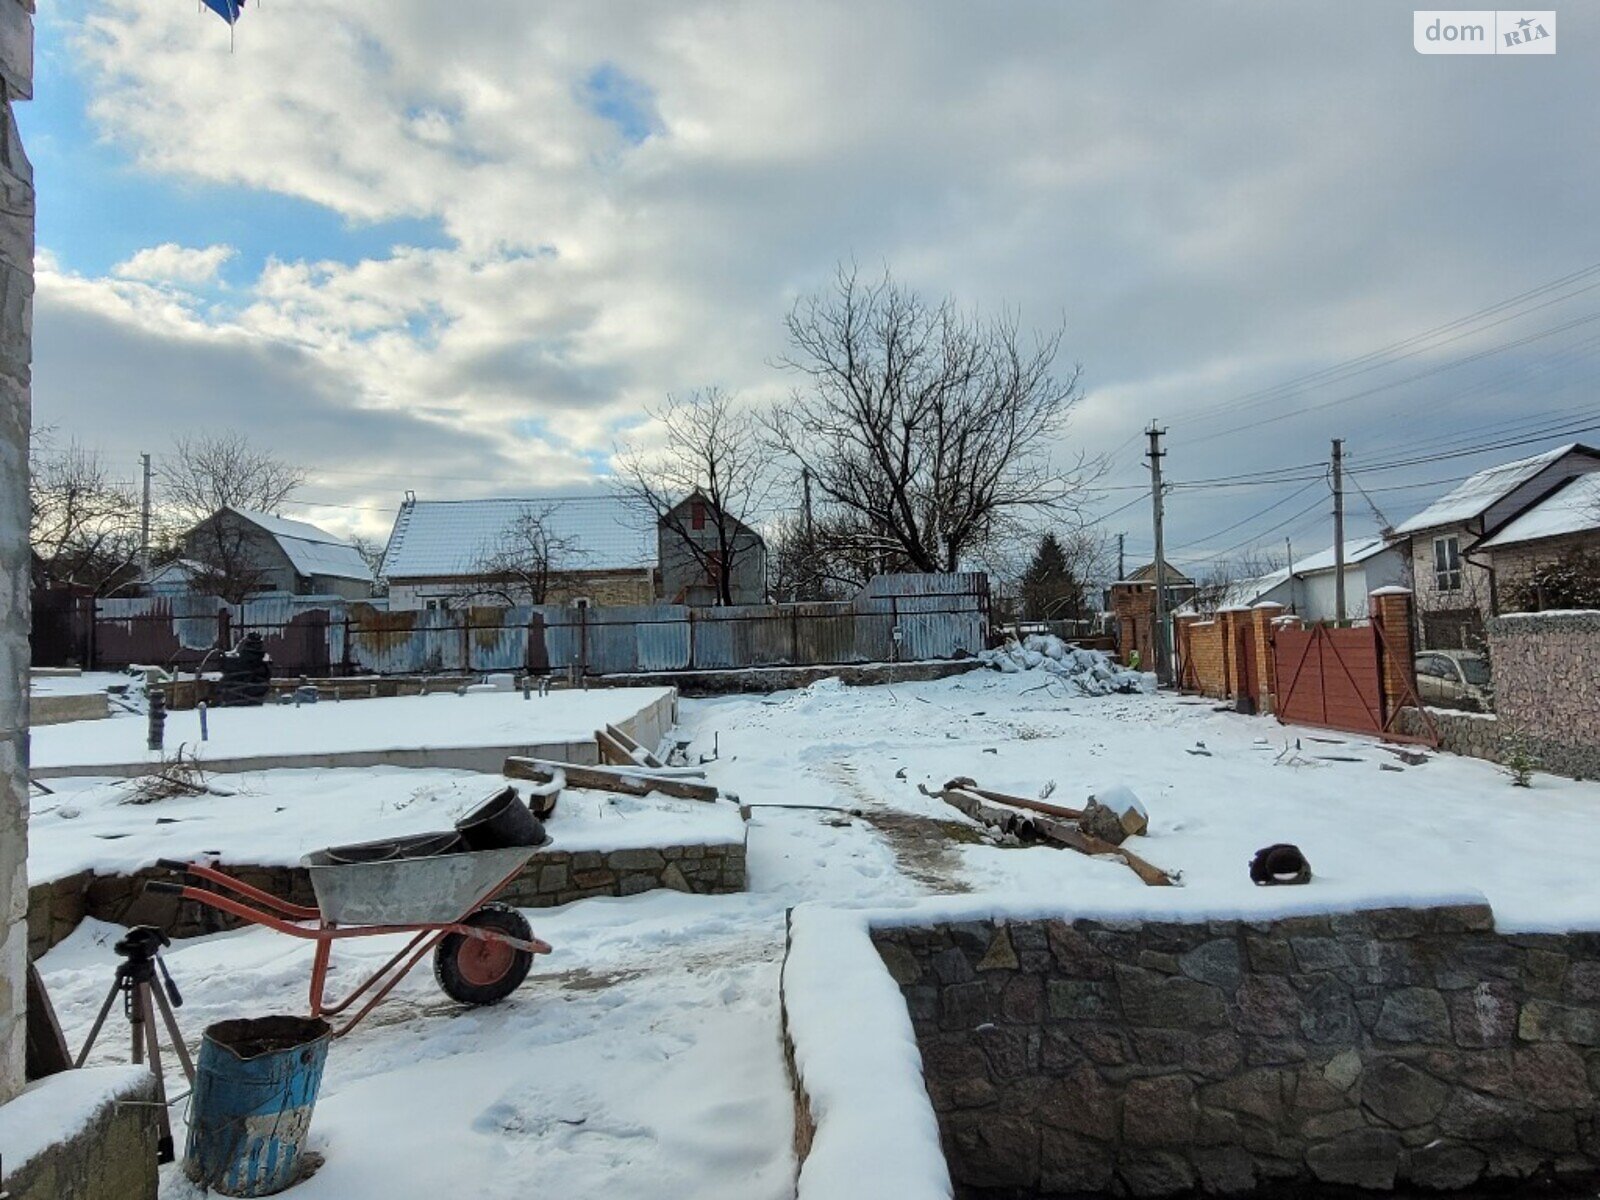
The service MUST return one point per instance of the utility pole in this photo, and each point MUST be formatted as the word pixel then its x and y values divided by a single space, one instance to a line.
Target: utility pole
pixel 1338 530
pixel 144 520
pixel 1155 455
pixel 1122 571
pixel 1288 548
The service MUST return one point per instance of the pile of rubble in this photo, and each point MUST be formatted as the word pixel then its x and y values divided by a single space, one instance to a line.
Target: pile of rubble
pixel 1092 672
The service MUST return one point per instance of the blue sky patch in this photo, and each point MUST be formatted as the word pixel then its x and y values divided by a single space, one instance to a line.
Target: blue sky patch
pixel 628 103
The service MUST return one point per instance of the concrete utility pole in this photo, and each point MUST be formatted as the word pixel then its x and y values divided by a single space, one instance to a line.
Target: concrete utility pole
pixel 144 520
pixel 1122 571
pixel 1155 454
pixel 1288 549
pixel 1338 530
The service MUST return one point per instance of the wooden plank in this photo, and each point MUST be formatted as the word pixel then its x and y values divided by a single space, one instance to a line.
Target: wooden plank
pixel 634 749
pixel 612 751
pixel 606 779
pixel 47 1052
pixel 1038 806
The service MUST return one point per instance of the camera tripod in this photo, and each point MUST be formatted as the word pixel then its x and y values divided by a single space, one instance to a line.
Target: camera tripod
pixel 141 954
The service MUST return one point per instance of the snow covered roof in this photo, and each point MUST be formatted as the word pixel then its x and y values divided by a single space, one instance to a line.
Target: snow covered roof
pixel 1572 508
pixel 310 550
pixel 451 538
pixel 1476 494
pixel 1354 552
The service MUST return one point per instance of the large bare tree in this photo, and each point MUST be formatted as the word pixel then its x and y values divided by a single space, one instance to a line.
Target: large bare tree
pixel 519 565
pixel 203 475
pixel 84 525
pixel 712 450
pixel 934 429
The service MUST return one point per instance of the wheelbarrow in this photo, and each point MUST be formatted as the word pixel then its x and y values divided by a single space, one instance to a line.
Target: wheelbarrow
pixel 430 886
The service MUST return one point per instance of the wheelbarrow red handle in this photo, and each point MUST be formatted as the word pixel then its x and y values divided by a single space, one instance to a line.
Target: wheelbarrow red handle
pixel 297 912
pixel 162 888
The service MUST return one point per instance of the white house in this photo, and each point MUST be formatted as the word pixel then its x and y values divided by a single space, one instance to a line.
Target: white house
pixel 1310 589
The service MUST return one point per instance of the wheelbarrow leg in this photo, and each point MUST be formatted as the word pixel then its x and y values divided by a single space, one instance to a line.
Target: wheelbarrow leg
pixel 319 974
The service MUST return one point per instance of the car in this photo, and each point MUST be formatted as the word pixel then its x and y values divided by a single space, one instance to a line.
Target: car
pixel 1454 679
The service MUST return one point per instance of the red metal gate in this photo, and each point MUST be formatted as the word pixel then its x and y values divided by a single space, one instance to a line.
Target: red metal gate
pixel 1330 677
pixel 1335 678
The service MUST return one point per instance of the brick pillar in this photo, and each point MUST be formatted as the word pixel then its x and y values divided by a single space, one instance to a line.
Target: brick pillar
pixel 16 303
pixel 1266 681
pixel 1390 611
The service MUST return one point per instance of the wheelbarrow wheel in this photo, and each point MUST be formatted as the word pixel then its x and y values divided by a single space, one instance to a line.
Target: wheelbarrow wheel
pixel 479 971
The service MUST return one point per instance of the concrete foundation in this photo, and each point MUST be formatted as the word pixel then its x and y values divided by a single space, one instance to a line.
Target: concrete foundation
pixel 102 1127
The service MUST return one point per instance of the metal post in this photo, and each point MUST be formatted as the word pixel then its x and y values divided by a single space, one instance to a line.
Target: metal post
pixel 1338 530
pixel 1156 454
pixel 144 520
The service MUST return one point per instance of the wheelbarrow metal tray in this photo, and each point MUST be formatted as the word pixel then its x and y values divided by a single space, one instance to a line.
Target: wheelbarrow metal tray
pixel 431 890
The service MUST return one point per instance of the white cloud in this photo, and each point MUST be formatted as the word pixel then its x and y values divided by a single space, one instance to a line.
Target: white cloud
pixel 1202 193
pixel 172 263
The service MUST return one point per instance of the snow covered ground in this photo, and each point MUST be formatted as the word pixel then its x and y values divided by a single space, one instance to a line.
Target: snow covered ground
pixel 643 1058
pixel 272 818
pixel 85 684
pixel 403 722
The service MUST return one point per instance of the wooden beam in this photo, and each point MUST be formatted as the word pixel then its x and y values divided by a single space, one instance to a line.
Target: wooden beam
pixel 633 748
pixel 1058 831
pixel 1038 806
pixel 47 1052
pixel 606 779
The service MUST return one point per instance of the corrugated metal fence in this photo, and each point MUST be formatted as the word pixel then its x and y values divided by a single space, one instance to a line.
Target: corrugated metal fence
pixel 895 617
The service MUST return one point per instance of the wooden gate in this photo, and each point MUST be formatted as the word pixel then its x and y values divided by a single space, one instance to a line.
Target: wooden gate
pixel 1245 685
pixel 1331 677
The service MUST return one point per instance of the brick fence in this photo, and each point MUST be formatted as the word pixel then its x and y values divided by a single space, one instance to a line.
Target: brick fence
pixel 1229 655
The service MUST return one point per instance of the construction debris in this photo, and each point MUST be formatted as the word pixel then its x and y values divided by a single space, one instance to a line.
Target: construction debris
pixel 1030 820
pixel 625 781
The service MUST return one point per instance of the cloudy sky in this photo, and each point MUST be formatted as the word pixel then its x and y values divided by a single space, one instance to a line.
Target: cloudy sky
pixel 456 248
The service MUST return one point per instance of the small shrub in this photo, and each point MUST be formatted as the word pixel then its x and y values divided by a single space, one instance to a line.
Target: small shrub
pixel 1518 759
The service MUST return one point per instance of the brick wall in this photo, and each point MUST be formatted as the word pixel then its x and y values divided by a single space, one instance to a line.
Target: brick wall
pixel 1135 608
pixel 16 302
pixel 1547 687
pixel 1361 1050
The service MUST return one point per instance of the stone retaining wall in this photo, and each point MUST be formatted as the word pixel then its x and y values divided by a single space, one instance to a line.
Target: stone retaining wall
pixel 1474 735
pixel 1547 687
pixel 552 877
pixel 1376 1049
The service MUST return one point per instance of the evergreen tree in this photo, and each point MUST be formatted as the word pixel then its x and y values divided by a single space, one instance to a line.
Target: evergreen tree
pixel 1050 591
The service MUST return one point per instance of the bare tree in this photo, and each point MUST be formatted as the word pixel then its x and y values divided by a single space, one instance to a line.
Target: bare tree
pixel 1227 581
pixel 715 458
pixel 523 560
pixel 372 552
pixel 84 525
pixel 932 428
pixel 206 474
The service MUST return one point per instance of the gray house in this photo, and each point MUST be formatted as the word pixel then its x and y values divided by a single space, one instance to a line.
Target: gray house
pixel 1449 539
pixel 236 551
pixel 699 547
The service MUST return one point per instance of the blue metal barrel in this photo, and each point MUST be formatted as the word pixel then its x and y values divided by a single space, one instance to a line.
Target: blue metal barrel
pixel 255 1085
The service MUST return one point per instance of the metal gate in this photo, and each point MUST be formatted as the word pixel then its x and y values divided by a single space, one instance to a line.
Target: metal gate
pixel 1335 677
pixel 1329 677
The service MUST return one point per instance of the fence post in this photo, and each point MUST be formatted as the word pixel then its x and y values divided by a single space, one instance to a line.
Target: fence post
pixel 583 639
pixel 1389 608
pixel 691 664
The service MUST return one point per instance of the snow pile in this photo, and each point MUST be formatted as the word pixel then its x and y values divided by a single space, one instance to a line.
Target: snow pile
pixel 1092 672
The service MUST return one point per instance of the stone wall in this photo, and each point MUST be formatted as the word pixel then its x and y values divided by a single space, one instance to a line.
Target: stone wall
pixel 1547 687
pixel 16 305
pixel 551 877
pixel 1474 735
pixel 1374 1049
